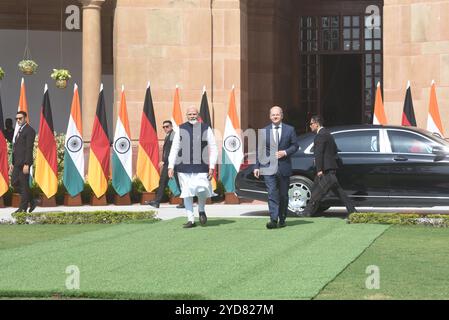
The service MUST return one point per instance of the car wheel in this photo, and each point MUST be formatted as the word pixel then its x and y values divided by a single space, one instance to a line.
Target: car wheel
pixel 299 194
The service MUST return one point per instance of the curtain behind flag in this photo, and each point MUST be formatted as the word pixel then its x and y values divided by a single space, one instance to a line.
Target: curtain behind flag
pixel 122 155
pixel 232 151
pixel 4 174
pixel 74 149
pixel 204 117
pixel 379 110
pixel 433 119
pixel 148 153
pixel 46 173
pixel 99 156
pixel 408 114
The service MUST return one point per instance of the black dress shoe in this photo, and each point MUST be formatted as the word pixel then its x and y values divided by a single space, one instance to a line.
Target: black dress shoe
pixel 282 224
pixel 189 224
pixel 180 206
pixel 154 204
pixel 203 217
pixel 272 225
pixel 20 210
pixel 33 205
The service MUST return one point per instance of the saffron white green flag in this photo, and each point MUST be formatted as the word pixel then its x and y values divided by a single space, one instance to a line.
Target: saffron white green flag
pixel 232 154
pixel 74 149
pixel 122 155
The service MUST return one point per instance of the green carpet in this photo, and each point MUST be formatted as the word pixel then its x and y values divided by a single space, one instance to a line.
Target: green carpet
pixel 228 259
pixel 413 264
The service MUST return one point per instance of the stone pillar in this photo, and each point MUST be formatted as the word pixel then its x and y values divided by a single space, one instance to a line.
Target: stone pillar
pixel 91 62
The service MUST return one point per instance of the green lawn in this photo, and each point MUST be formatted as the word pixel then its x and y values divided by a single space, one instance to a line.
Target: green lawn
pixel 413 264
pixel 227 259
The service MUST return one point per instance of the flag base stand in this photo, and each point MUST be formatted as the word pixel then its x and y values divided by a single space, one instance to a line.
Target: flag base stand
pixel 102 201
pixel 70 201
pixel 48 202
pixel 175 200
pixel 122 201
pixel 2 203
pixel 147 196
pixel 15 202
pixel 231 198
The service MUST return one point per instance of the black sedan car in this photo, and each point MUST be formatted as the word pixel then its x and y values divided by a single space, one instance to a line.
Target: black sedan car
pixel 388 166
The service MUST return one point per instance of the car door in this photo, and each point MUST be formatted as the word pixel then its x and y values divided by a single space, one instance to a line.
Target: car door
pixel 418 175
pixel 364 173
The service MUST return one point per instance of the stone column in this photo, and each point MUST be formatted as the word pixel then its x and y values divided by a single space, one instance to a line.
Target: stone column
pixel 91 62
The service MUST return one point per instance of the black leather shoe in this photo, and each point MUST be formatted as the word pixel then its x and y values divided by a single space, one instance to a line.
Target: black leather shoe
pixel 180 206
pixel 282 224
pixel 272 225
pixel 20 210
pixel 203 217
pixel 33 205
pixel 154 204
pixel 189 224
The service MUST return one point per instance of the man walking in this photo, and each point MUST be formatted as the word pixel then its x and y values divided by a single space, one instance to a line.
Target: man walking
pixel 163 165
pixel 195 153
pixel 22 160
pixel 326 156
pixel 279 145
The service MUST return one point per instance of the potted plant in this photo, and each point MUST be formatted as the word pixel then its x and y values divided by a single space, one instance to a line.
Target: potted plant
pixel 28 66
pixel 2 73
pixel 61 76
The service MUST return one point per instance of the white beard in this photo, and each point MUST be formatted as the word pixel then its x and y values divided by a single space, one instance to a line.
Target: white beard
pixel 193 122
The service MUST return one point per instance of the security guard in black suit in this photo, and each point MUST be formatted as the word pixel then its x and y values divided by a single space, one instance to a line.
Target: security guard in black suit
pixel 22 160
pixel 326 157
pixel 167 125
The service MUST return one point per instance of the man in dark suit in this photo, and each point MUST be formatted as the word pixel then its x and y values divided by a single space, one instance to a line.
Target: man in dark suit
pixel 276 145
pixel 326 163
pixel 22 160
pixel 167 125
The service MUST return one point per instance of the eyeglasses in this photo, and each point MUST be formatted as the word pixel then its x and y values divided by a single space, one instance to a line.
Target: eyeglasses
pixel 20 118
pixel 312 123
pixel 166 126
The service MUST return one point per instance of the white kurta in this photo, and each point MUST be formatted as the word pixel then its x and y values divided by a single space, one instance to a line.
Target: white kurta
pixel 194 183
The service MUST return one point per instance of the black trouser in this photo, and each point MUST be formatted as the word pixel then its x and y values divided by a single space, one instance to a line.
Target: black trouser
pixel 321 186
pixel 163 182
pixel 21 184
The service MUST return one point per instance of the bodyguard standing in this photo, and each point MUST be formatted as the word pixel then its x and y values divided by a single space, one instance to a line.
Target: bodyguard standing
pixel 276 147
pixel 22 160
pixel 326 157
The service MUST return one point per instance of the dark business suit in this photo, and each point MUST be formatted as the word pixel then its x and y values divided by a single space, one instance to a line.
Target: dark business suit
pixel 277 172
pixel 23 155
pixel 163 180
pixel 326 160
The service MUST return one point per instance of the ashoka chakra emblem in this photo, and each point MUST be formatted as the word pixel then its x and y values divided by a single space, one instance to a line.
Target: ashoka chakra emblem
pixel 74 143
pixel 232 143
pixel 122 145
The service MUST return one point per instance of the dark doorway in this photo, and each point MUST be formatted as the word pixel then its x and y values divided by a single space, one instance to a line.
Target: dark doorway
pixel 341 91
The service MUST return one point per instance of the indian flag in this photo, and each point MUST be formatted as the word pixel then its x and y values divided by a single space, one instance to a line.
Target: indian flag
pixel 73 178
pixel 176 118
pixel 379 110
pixel 232 152
pixel 433 118
pixel 122 155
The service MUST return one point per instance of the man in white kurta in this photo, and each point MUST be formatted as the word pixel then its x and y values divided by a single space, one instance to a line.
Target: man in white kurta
pixel 194 152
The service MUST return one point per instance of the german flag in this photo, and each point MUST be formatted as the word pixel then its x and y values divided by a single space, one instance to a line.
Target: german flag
pixel 204 117
pixel 4 177
pixel 99 157
pixel 408 114
pixel 148 153
pixel 46 174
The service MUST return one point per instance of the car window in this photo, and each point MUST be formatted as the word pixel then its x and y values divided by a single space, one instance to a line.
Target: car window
pixel 358 141
pixel 407 142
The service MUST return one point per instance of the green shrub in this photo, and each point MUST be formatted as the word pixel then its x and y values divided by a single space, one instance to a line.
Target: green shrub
pixel 436 220
pixel 93 217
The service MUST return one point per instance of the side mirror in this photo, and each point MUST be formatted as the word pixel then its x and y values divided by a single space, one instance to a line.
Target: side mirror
pixel 439 151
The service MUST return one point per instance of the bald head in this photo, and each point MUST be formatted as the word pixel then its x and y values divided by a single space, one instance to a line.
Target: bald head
pixel 276 115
